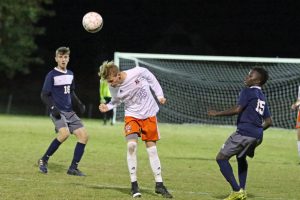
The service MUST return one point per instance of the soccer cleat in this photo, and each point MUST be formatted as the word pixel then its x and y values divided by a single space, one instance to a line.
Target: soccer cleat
pixel 239 195
pixel 161 189
pixel 43 166
pixel 135 191
pixel 245 194
pixel 75 172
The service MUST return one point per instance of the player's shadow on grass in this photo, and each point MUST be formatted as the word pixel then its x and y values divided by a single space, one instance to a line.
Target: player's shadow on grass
pixel 56 167
pixel 124 190
pixel 226 195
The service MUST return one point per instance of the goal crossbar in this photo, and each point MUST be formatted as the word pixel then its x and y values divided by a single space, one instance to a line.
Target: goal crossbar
pixel 118 55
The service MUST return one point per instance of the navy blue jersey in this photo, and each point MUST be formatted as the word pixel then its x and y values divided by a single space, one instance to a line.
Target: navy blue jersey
pixel 255 110
pixel 60 84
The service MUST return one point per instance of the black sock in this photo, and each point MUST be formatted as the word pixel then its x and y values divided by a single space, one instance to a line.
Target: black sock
pixel 135 183
pixel 242 171
pixel 78 152
pixel 51 149
pixel 159 184
pixel 227 172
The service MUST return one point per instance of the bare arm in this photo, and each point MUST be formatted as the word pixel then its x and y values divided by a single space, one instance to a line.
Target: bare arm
pixel 267 123
pixel 231 111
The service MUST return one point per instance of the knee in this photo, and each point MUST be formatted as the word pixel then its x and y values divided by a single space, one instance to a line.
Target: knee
pixel 81 135
pixel 152 151
pixel 62 138
pixel 85 138
pixel 63 135
pixel 131 147
pixel 221 156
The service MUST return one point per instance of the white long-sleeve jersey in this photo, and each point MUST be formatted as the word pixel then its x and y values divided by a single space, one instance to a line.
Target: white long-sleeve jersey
pixel 136 95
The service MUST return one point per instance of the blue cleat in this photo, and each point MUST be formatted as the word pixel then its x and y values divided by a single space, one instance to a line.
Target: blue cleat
pixel 43 166
pixel 75 172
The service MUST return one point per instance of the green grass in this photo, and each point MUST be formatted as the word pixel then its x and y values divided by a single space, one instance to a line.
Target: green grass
pixel 187 154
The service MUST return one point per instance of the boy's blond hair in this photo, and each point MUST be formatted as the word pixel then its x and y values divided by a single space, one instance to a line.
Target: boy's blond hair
pixel 108 69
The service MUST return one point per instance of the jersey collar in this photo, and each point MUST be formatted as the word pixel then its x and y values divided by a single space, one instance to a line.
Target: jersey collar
pixel 256 87
pixel 60 70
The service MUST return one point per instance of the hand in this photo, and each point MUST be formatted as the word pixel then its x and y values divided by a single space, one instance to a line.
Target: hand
pixel 55 112
pixel 212 113
pixel 81 108
pixel 103 107
pixel 162 100
pixel 295 105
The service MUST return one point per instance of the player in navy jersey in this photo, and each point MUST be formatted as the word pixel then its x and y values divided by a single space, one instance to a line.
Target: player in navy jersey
pixel 253 118
pixel 59 96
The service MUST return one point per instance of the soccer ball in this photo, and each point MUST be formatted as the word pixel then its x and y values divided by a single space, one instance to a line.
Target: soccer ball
pixel 92 22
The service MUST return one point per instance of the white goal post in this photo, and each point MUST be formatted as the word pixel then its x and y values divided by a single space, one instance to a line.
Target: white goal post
pixel 193 84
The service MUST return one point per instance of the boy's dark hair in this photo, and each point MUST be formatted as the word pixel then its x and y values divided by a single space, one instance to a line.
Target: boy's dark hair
pixel 264 75
pixel 63 50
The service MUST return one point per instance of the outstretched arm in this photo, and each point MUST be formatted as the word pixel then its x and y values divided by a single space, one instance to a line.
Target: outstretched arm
pixel 232 111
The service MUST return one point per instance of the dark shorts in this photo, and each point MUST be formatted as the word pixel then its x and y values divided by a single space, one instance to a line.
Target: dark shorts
pixel 69 120
pixel 239 145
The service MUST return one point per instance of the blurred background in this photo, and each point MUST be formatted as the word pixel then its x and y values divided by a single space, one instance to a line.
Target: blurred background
pixel 31 31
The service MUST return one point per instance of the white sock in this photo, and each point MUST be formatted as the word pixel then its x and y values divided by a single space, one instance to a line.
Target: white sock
pixel 132 160
pixel 298 143
pixel 155 163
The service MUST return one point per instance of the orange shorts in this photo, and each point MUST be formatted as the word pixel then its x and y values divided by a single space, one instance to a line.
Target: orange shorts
pixel 145 128
pixel 298 120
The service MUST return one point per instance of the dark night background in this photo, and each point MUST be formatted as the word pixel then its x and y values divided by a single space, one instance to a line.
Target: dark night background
pixel 192 27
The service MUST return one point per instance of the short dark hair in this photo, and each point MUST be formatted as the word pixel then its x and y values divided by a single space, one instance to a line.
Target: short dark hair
pixel 63 50
pixel 264 75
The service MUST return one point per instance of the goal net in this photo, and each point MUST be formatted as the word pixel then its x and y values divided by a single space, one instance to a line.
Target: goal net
pixel 195 84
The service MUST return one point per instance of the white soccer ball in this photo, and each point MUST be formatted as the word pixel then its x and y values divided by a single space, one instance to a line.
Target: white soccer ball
pixel 92 22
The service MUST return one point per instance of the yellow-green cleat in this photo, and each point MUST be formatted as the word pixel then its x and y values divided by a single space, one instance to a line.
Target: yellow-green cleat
pixel 240 195
pixel 245 194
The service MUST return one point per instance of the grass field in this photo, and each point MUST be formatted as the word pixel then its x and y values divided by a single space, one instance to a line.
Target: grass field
pixel 187 154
